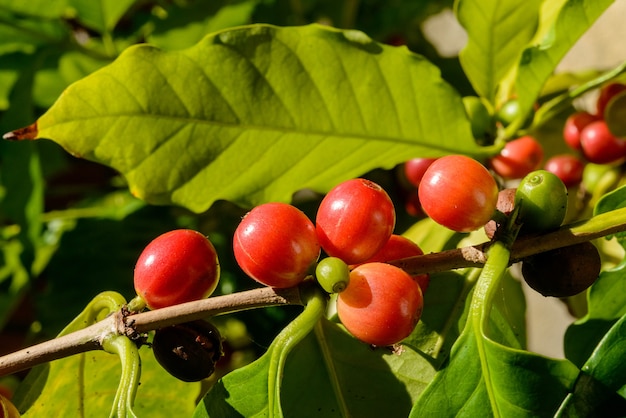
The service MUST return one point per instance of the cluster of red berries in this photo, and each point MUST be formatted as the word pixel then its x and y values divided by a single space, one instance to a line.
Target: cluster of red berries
pixel 278 245
pixel 589 135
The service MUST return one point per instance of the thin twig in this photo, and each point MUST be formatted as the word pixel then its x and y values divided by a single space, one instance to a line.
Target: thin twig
pixel 91 337
pixel 475 256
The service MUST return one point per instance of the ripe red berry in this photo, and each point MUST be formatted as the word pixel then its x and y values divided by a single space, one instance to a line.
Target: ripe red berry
pixel 567 167
pixel 607 92
pixel 574 125
pixel 276 245
pixel 381 305
pixel 176 267
pixel 599 145
pixel 415 168
pixel 355 220
pixel 459 193
pixel 518 158
pixel 397 248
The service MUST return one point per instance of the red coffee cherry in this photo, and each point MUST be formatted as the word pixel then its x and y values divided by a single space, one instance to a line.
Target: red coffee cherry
pixel 381 305
pixel 355 220
pixel 599 145
pixel 518 158
pixel 574 125
pixel 567 167
pixel 276 245
pixel 176 267
pixel 459 193
pixel 397 248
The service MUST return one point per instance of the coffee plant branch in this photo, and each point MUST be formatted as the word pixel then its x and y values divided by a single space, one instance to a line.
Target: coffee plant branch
pixel 135 325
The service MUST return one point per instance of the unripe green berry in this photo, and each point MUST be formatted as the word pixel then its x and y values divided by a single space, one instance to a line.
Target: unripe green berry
pixel 542 200
pixel 332 274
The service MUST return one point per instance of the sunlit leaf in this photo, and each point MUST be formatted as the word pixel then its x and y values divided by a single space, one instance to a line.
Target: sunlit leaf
pixel 498 31
pixel 256 113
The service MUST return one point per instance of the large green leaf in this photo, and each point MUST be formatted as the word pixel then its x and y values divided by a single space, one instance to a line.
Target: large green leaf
pixel 498 31
pixel 255 113
pixel 328 374
pixel 539 61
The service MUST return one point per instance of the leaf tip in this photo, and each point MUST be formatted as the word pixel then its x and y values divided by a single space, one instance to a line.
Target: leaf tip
pixel 27 133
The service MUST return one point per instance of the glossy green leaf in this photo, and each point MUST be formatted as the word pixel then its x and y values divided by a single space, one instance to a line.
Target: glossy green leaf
pixel 539 61
pixel 606 364
pixel 328 374
pixel 188 23
pixel 526 384
pixel 601 388
pixel 101 15
pixel 256 113
pixel 488 373
pixel 498 31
